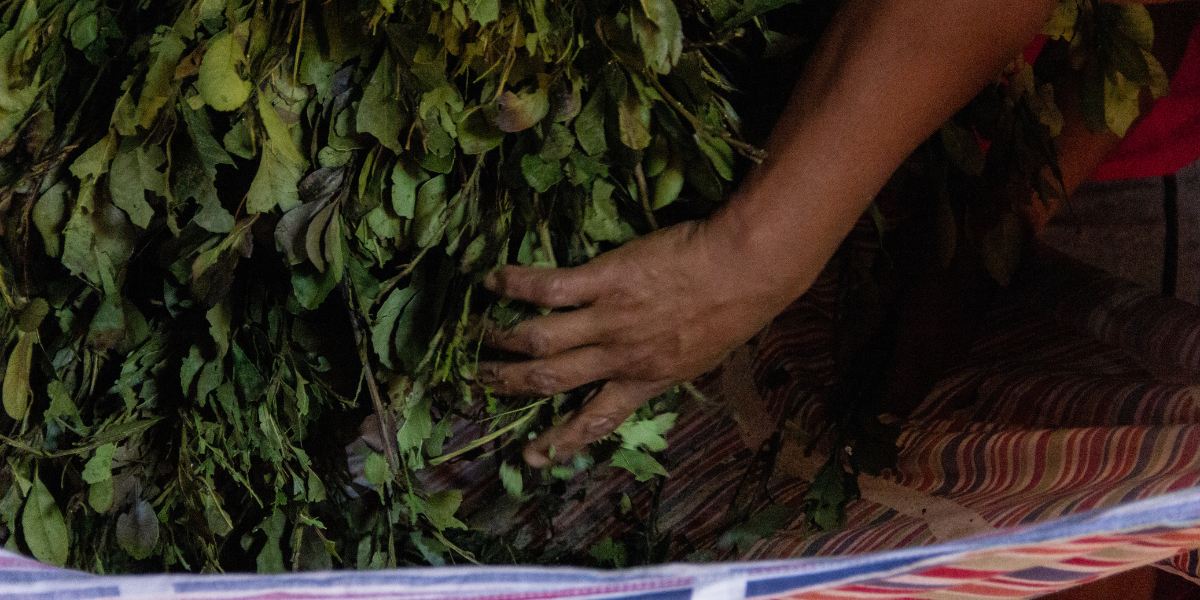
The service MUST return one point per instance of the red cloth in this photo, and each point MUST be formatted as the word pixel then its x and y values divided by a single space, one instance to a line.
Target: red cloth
pixel 1168 138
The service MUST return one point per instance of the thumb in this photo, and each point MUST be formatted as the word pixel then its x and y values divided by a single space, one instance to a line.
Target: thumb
pixel 598 418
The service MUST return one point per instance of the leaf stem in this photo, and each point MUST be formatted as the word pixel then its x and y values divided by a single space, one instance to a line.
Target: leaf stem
pixel 749 151
pixel 644 195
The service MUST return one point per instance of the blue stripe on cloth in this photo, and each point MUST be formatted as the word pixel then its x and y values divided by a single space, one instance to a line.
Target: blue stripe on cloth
pixel 67 594
pixel 39 575
pixel 763 587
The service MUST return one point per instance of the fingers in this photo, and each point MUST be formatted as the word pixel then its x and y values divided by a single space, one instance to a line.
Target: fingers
pixel 598 418
pixel 547 376
pixel 554 288
pixel 545 336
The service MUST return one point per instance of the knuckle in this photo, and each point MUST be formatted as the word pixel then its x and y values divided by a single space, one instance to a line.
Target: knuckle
pixel 537 341
pixel 552 291
pixel 543 382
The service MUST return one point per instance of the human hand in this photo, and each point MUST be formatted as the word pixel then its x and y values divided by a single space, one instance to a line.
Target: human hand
pixel 657 311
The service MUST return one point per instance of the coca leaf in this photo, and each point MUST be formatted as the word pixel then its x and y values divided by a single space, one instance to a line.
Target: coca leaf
pixel 44 528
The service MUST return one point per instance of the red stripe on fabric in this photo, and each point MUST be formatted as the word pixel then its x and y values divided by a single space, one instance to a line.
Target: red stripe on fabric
pixel 956 573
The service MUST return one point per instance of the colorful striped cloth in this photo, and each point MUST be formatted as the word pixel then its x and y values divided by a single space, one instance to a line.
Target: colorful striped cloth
pixel 1011 564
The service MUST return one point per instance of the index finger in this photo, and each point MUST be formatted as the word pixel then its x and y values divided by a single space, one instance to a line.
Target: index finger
pixel 553 288
pixel 598 418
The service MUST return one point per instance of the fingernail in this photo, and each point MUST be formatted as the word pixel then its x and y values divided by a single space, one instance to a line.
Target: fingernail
pixel 599 427
pixel 535 457
pixel 491 281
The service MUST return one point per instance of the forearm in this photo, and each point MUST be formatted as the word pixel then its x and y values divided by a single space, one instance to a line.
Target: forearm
pixel 888 73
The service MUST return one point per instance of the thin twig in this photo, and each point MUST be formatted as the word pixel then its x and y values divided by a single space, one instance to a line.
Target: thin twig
pixel 644 195
pixel 387 436
pixel 749 151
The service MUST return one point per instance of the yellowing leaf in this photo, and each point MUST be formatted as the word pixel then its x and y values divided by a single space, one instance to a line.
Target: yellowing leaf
pixel 634 117
pixel 280 170
pixel 219 82
pixel 1121 105
pixel 16 377
pixel 517 112
pixel 159 85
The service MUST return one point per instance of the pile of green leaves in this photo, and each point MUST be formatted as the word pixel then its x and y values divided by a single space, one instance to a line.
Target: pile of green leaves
pixel 236 231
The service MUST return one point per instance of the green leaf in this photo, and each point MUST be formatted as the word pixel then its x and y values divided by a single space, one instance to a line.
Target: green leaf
pixel 601 221
pixel 134 171
pixel 557 144
pixel 962 149
pixel 718 152
pixel 589 126
pixel 48 215
pixel 642 465
pixel 477 134
pixel 417 425
pixel 383 331
pixel 379 111
pixel 430 212
pixel 1002 248
pixel 541 174
pixel 752 9
pixel 219 82
pixel 31 317
pixel 512 480
pixel 16 377
pixel 608 552
pixel 439 508
pixel 483 11
pixel 760 526
pixel 406 176
pixel 84 31
pixel 376 470
pixel 44 528
pixel 270 559
pixel 99 467
pixel 659 32
pixel 826 499
pixel 100 495
pixel 648 434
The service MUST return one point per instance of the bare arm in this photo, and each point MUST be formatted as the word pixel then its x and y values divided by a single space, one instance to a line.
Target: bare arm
pixel 669 306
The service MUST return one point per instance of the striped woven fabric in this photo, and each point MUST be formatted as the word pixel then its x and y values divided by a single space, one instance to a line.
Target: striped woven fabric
pixel 1011 564
pixel 1060 408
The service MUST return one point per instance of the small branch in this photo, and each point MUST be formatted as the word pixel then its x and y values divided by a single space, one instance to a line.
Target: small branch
pixel 386 433
pixel 644 195
pixel 749 151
